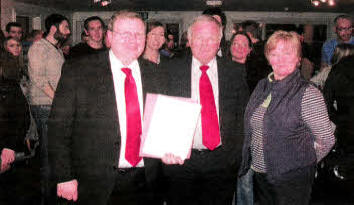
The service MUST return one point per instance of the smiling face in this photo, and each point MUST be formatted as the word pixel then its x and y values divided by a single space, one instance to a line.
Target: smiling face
pixel 127 38
pixel 94 31
pixel 240 48
pixel 155 38
pixel 344 29
pixel 13 46
pixel 284 59
pixel 205 40
pixel 15 32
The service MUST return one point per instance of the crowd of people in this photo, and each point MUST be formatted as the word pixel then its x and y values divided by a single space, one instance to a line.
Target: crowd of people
pixel 267 120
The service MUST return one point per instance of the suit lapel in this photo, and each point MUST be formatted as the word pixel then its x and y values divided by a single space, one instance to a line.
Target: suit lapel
pixel 222 88
pixel 106 87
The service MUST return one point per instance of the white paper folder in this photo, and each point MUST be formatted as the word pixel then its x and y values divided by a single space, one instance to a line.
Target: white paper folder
pixel 169 125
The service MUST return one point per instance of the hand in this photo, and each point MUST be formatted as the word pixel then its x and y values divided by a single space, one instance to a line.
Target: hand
pixel 172 159
pixel 7 157
pixel 68 190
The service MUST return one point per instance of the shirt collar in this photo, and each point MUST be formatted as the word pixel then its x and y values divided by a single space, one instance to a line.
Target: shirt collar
pixel 118 63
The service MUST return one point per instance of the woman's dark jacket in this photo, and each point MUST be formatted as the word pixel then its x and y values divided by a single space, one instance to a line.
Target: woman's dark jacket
pixel 287 141
pixel 339 87
pixel 14 112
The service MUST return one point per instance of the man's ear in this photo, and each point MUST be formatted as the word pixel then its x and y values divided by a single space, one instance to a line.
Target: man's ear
pixel 86 32
pixel 52 29
pixel 109 35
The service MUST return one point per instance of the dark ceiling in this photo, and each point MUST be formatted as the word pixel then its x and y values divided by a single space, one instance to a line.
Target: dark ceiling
pixel 195 5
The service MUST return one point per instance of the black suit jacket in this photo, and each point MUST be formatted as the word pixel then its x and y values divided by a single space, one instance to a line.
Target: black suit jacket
pixel 233 98
pixel 83 128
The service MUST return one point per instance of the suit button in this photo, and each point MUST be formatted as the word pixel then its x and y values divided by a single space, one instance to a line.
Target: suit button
pixel 115 167
pixel 116 143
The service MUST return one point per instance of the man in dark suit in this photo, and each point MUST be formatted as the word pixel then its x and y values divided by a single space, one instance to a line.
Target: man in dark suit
pixel 209 176
pixel 95 123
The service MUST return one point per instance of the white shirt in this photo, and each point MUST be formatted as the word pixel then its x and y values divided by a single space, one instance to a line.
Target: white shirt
pixel 118 80
pixel 212 73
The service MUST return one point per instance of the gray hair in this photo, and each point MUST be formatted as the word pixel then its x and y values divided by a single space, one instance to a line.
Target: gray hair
pixel 204 18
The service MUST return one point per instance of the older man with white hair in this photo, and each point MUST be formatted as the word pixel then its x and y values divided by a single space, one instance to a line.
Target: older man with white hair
pixel 209 176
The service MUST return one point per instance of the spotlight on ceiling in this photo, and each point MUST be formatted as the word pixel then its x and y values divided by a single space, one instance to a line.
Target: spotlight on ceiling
pixel 213 2
pixel 315 2
pixel 102 2
pixel 331 2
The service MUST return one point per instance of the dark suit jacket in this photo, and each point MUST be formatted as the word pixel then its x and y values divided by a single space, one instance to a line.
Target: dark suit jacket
pixel 233 98
pixel 83 128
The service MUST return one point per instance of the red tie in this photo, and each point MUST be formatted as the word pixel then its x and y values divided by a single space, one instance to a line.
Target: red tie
pixel 210 124
pixel 133 119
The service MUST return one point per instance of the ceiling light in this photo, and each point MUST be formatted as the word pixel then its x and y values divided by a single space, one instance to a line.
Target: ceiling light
pixel 315 2
pixel 331 2
pixel 214 2
pixel 105 2
pixel 323 1
pixel 102 2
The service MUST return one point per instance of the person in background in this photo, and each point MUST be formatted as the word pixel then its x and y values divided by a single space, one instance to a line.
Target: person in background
pixel 94 29
pixel 257 66
pixel 170 42
pixel 209 175
pixel 339 95
pixel 311 55
pixel 287 129
pixel 14 29
pixel 220 16
pixel 45 60
pixel 240 49
pixel 341 51
pixel 343 29
pixel 14 122
pixel 155 38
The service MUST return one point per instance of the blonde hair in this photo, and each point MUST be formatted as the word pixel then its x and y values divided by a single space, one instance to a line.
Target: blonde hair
pixel 204 18
pixel 341 51
pixel 291 38
pixel 121 15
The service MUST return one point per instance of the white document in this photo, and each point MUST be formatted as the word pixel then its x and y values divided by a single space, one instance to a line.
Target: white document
pixel 169 126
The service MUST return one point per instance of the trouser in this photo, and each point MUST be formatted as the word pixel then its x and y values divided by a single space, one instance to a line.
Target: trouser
pixel 294 188
pixel 41 114
pixel 124 186
pixel 204 179
pixel 244 193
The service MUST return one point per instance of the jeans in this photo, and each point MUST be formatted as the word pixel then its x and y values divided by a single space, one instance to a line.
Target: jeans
pixel 244 192
pixel 41 114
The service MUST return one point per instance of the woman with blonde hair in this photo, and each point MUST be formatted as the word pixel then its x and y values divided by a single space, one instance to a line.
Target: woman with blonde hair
pixel 341 51
pixel 287 129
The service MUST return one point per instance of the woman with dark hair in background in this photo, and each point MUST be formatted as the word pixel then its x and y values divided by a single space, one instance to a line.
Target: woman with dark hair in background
pixel 14 122
pixel 151 58
pixel 240 48
pixel 155 38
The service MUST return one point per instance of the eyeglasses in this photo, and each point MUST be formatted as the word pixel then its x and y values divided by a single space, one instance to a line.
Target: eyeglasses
pixel 341 29
pixel 126 35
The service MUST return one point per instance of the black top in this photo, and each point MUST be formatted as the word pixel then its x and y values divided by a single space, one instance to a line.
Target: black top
pixel 257 66
pixel 14 112
pixel 339 87
pixel 82 49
